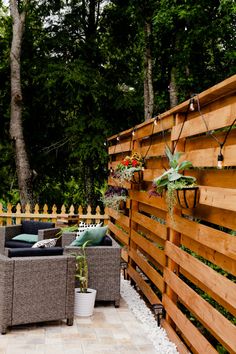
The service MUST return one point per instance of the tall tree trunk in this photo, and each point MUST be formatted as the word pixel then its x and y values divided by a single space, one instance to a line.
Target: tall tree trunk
pixel 148 85
pixel 173 92
pixel 24 173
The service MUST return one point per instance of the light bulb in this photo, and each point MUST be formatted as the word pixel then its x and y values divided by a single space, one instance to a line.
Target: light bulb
pixel 155 121
pixel 133 133
pixel 220 161
pixel 191 106
pixel 118 138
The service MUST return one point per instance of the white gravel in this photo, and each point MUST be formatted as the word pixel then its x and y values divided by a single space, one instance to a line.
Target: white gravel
pixel 137 305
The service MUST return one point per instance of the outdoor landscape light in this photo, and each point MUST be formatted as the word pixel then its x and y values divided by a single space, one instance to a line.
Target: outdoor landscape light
pixel 159 312
pixel 124 267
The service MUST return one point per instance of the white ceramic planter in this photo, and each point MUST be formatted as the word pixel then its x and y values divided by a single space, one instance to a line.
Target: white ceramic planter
pixel 84 302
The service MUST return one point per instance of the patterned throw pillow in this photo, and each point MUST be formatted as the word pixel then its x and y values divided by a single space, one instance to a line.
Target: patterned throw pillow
pixel 83 227
pixel 51 242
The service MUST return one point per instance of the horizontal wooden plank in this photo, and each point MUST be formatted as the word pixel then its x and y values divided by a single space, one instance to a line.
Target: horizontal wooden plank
pixel 214 178
pixel 223 198
pixel 209 157
pixel 216 119
pixel 148 247
pixel 120 147
pixel 150 235
pixel 207 141
pixel 218 284
pixel 217 240
pixel 198 342
pixel 207 290
pixel 122 237
pixel 115 182
pixel 217 324
pixel 152 211
pixel 218 216
pixel 150 174
pixel 150 224
pixel 210 254
pixel 154 150
pixel 144 287
pixel 121 218
pixel 174 338
pixel 145 198
pixel 149 271
pixel 150 128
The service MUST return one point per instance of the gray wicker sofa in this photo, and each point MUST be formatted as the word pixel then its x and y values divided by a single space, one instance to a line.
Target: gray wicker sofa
pixel 44 230
pixel 103 265
pixel 36 289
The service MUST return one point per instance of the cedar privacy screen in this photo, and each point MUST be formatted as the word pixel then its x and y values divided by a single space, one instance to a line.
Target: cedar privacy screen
pixel 187 262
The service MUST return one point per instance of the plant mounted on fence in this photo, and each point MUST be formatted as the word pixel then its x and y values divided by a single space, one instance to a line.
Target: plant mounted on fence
pixel 130 169
pixel 115 197
pixel 179 188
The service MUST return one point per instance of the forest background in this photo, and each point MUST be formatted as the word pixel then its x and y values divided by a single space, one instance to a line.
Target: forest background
pixel 92 68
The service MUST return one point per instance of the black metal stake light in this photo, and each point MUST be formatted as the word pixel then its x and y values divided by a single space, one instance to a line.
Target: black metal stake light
pixel 159 312
pixel 124 266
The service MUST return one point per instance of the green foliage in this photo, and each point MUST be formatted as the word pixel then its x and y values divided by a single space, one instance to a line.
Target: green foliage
pixel 81 273
pixel 82 80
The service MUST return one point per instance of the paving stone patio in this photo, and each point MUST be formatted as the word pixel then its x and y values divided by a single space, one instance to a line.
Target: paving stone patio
pixel 109 330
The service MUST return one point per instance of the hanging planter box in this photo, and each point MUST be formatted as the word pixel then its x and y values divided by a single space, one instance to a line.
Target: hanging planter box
pixel 137 177
pixel 188 198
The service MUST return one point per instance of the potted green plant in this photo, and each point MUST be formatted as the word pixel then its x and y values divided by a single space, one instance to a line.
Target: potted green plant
pixel 115 198
pixel 130 169
pixel 179 189
pixel 84 296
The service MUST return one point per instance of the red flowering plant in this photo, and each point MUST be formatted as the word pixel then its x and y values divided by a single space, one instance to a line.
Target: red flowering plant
pixel 126 169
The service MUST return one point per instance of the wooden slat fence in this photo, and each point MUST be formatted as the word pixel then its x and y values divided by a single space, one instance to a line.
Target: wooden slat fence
pixel 62 217
pixel 186 262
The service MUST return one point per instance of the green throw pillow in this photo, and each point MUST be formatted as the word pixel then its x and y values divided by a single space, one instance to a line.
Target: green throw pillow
pixel 26 238
pixel 94 235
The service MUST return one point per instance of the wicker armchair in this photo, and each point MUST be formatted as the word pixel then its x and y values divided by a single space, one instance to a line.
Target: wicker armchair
pixel 44 230
pixel 36 289
pixel 103 266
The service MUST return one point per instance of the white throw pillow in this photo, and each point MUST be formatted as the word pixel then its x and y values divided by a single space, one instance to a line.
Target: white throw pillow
pixel 50 242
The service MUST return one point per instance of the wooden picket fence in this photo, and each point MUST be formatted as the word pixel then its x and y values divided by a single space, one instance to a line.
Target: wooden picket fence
pixel 186 263
pixel 14 215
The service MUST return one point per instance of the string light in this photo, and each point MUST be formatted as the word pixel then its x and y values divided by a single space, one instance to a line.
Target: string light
pixel 220 161
pixel 155 121
pixel 118 138
pixel 191 105
pixel 134 131
pixel 111 170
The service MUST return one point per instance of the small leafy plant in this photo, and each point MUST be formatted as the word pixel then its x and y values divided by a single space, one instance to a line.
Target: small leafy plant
pixel 172 179
pixel 114 196
pixel 128 166
pixel 81 271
